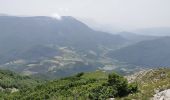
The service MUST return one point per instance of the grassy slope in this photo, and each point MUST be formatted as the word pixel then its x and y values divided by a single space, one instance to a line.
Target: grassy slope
pixel 152 81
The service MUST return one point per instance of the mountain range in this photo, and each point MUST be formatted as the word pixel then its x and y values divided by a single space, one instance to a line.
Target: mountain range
pixel 23 32
pixel 150 53
pixel 43 44
pixel 66 59
pixel 48 47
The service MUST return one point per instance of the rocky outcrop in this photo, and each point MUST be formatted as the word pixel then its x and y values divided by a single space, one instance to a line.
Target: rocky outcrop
pixel 164 95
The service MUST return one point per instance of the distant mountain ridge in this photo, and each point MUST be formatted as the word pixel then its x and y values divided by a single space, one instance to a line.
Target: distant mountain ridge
pixel 18 33
pixel 42 45
pixel 149 53
pixel 134 37
pixel 155 31
pixel 50 46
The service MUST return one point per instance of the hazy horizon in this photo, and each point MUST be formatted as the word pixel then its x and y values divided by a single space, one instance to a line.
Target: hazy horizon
pixel 107 15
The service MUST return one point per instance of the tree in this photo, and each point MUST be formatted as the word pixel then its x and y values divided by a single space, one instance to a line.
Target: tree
pixel 118 82
pixel 80 74
pixel 133 87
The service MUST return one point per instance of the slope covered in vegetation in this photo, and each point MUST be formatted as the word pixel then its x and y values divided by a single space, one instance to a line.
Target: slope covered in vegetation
pixel 11 82
pixel 94 86
pixel 151 82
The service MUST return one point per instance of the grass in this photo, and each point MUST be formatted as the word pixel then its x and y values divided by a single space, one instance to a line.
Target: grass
pixel 95 75
pixel 152 81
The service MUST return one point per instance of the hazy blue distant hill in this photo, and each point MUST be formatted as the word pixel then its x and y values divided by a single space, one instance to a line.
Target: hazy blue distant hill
pixel 41 45
pixel 159 31
pixel 22 32
pixel 134 38
pixel 146 53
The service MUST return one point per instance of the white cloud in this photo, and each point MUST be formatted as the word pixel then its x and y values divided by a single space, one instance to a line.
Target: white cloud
pixel 56 16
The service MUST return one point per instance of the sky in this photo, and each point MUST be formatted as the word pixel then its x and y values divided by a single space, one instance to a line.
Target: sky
pixel 111 14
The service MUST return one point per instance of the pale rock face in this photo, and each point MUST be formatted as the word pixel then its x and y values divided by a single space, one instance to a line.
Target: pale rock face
pixel 14 90
pixel 164 95
pixel 112 98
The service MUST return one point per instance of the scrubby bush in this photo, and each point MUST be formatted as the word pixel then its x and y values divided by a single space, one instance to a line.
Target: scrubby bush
pixel 116 86
pixel 79 86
